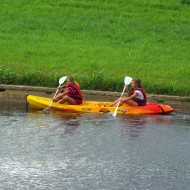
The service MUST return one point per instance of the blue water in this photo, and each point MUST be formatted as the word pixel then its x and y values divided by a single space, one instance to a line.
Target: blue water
pixel 72 151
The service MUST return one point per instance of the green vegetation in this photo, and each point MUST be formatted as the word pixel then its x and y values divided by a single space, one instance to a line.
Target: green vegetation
pixel 98 42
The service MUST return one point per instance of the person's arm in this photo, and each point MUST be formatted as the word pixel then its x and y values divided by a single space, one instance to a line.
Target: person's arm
pixel 65 92
pixel 132 96
pixel 62 86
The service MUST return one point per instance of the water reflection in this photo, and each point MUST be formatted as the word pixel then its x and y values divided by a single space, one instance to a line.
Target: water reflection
pixel 71 121
pixel 66 123
pixel 134 125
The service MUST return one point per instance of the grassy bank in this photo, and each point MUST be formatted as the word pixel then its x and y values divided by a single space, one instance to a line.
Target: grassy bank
pixel 98 42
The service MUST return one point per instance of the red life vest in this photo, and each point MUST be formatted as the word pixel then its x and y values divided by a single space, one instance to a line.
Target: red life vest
pixel 75 93
pixel 142 102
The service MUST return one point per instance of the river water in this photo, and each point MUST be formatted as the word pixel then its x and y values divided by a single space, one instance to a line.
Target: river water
pixel 92 151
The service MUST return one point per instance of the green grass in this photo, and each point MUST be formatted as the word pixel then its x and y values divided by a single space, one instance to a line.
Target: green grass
pixel 99 42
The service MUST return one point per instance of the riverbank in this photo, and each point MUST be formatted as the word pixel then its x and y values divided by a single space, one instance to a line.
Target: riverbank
pixel 20 92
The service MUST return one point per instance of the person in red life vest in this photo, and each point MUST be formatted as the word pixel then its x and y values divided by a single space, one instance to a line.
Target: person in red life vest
pixel 72 93
pixel 136 97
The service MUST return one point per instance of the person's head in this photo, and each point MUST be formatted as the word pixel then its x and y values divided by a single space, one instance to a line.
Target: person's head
pixel 71 80
pixel 136 83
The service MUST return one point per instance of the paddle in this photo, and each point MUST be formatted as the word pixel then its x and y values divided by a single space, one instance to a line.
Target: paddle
pixel 127 81
pixel 61 81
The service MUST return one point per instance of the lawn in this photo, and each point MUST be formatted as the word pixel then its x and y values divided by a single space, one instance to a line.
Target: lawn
pixel 98 42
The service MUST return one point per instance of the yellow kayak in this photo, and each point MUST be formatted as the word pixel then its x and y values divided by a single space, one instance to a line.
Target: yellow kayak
pixel 38 102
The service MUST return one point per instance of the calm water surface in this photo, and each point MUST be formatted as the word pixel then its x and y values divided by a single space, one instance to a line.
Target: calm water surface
pixel 92 151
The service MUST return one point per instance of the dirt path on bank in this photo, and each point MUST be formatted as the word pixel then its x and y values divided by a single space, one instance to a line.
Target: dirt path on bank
pixel 19 93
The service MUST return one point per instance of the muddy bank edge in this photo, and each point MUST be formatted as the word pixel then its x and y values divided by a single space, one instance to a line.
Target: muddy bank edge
pixel 20 92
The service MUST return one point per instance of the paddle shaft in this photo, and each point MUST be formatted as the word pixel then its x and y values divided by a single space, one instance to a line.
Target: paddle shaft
pixel 115 112
pixel 54 97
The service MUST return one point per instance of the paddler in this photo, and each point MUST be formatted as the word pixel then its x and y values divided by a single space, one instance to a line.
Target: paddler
pixel 72 93
pixel 136 97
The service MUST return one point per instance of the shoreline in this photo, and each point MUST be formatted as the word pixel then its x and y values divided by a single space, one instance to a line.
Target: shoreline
pixel 50 91
pixel 20 92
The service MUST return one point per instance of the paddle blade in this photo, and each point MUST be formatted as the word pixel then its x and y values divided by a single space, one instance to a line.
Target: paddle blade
pixel 127 80
pixel 62 80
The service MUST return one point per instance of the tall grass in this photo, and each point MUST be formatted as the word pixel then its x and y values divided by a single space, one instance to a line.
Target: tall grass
pixel 98 42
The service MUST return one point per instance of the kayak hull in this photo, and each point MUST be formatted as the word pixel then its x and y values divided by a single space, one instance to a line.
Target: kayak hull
pixel 38 102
